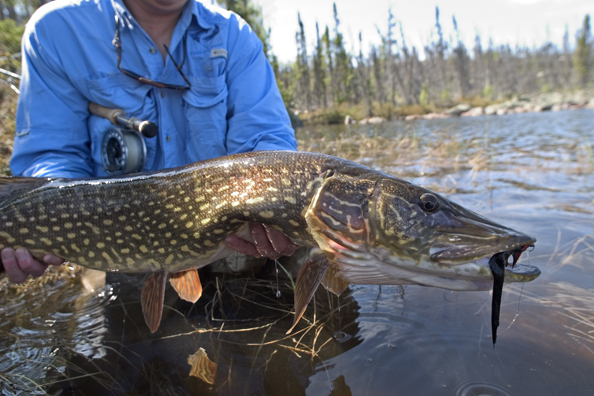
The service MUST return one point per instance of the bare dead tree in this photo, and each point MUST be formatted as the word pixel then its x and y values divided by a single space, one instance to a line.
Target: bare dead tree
pixel 319 70
pixel 378 74
pixel 303 85
pixel 461 63
pixel 364 79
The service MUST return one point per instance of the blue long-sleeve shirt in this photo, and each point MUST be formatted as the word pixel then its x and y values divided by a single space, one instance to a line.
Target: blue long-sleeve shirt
pixel 69 60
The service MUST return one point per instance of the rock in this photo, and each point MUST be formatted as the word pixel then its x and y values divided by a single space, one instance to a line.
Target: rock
pixel 591 103
pixel 545 106
pixel 491 109
pixel 376 120
pixel 349 120
pixel 372 120
pixel 412 117
pixel 536 108
pixel 433 116
pixel 458 110
pixel 501 111
pixel 475 111
pixel 518 110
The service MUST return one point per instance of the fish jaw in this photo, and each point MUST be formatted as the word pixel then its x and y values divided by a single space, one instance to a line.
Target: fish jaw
pixel 381 267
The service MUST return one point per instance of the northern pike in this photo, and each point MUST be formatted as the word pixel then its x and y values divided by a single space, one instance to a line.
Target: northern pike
pixel 364 226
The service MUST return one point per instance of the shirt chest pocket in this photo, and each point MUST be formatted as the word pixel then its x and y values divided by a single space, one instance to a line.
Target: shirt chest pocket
pixel 205 109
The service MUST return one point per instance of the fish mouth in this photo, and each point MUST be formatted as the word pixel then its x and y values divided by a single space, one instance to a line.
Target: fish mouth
pixel 515 272
pixel 476 248
pixel 511 249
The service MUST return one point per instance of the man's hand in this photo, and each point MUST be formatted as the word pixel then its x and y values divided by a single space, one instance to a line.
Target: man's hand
pixel 19 264
pixel 263 240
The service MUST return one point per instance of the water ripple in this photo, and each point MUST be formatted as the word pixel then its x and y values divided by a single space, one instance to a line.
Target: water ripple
pixel 42 327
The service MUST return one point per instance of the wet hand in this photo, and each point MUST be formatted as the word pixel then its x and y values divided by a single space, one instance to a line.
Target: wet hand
pixel 19 264
pixel 263 241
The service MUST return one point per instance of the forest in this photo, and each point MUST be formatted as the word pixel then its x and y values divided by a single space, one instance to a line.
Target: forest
pixel 394 79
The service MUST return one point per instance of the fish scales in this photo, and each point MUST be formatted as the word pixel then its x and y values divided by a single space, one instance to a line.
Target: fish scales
pixel 172 219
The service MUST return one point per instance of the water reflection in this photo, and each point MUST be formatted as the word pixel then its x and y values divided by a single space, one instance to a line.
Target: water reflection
pixel 240 324
pixel 42 326
pixel 532 172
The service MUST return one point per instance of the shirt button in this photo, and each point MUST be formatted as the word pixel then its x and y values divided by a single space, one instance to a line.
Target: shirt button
pixel 153 50
pixel 168 138
pixel 162 94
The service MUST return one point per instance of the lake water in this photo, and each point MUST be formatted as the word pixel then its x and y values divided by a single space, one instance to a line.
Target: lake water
pixel 533 172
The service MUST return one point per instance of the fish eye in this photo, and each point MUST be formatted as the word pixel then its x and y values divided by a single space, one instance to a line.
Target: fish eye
pixel 429 203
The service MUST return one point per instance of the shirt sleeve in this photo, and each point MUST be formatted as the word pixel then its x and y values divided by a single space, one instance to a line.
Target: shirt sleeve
pixel 51 136
pixel 257 117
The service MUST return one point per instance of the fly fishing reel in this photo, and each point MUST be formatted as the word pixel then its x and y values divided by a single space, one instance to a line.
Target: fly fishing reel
pixel 123 149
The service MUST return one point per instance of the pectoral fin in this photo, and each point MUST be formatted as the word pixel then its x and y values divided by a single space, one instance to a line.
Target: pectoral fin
pixel 151 299
pixel 187 285
pixel 333 283
pixel 309 278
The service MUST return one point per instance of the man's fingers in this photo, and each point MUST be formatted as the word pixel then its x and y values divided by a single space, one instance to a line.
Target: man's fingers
pixel 19 264
pixel 14 272
pixel 28 264
pixel 261 241
pixel 241 246
pixel 279 241
pixel 53 260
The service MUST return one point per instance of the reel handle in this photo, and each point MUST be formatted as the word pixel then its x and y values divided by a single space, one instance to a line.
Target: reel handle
pixel 118 117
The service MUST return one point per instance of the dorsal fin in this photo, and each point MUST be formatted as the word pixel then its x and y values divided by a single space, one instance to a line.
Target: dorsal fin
pixel 13 186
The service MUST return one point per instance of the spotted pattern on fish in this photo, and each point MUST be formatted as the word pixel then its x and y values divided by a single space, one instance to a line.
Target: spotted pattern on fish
pixel 172 219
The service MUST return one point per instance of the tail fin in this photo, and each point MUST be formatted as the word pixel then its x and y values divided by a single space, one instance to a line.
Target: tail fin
pixel 14 186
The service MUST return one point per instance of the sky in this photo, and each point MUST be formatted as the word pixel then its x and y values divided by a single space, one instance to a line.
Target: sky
pixel 523 22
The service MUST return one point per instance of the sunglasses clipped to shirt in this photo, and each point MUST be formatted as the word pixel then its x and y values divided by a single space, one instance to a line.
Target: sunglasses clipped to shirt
pixel 117 43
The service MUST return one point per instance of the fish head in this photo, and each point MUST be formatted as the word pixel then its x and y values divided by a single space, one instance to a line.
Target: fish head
pixel 411 224
pixel 399 233
pixel 419 222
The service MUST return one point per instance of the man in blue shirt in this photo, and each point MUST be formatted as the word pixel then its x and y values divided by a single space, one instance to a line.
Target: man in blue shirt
pixel 196 71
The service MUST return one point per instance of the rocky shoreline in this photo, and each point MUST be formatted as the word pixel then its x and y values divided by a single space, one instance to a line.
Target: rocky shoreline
pixel 521 104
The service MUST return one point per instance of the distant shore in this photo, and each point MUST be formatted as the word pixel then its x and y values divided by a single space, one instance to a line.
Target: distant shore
pixel 521 104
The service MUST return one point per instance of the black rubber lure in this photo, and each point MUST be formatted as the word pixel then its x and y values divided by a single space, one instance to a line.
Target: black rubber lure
pixel 497 263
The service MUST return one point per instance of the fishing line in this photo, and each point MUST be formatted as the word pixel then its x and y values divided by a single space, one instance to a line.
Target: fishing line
pixel 278 292
pixel 519 300
pixel 517 312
